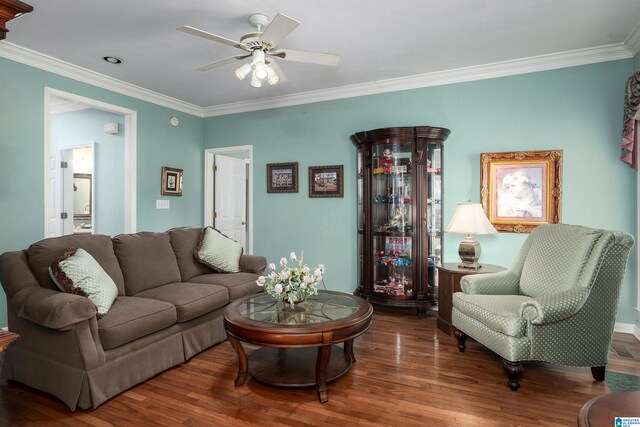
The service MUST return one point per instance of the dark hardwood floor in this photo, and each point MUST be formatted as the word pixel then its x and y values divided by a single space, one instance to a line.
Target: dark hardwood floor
pixel 408 373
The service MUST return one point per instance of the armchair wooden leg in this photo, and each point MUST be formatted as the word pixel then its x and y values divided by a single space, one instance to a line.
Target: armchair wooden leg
pixel 462 338
pixel 514 371
pixel 598 372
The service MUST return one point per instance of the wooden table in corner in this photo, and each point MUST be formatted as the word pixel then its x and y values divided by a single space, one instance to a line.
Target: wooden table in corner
pixel 7 338
pixel 299 345
pixel 449 275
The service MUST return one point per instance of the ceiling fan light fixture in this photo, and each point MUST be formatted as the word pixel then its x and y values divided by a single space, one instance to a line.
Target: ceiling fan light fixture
pixel 255 81
pixel 258 56
pixel 243 71
pixel 261 71
pixel 272 77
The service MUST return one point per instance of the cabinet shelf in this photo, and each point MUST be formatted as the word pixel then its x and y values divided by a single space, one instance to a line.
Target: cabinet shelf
pixel 397 268
pixel 393 233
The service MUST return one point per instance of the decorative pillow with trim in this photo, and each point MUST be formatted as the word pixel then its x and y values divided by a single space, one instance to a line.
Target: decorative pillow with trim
pixel 78 273
pixel 218 252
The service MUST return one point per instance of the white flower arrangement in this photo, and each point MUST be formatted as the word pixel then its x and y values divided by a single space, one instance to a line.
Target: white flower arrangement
pixel 292 284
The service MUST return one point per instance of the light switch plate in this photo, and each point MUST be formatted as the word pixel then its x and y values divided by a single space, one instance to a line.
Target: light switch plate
pixel 162 204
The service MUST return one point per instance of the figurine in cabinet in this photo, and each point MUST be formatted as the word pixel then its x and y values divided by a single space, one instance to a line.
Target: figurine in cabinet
pixel 399 219
pixel 387 157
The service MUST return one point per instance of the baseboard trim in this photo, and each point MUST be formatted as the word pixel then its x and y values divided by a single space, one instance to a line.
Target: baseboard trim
pixel 625 328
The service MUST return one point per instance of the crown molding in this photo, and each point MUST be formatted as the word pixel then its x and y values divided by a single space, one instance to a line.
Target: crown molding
pixel 632 41
pixel 66 69
pixel 625 50
pixel 478 72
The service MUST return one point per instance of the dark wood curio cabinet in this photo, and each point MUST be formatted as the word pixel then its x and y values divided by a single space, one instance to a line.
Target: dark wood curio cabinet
pixel 399 198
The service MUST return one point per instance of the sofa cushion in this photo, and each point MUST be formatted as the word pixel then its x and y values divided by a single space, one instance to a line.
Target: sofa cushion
pixel 76 272
pixel 147 261
pixel 238 284
pixel 131 318
pixel 45 252
pixel 190 299
pixel 184 241
pixel 218 252
pixel 556 258
pixel 499 312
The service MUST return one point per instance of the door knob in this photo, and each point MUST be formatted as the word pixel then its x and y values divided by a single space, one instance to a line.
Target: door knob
pixel 244 223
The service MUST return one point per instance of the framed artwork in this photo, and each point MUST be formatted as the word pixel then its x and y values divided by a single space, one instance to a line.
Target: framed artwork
pixel 521 190
pixel 326 181
pixel 282 177
pixel 171 181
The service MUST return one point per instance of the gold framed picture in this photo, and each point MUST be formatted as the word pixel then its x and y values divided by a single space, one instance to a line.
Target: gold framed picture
pixel 282 177
pixel 171 182
pixel 521 190
pixel 326 181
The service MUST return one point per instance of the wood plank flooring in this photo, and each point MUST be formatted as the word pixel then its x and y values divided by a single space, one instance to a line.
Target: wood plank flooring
pixel 408 373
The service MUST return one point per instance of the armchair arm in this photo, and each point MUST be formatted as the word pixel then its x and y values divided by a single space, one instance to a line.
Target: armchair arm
pixel 551 308
pixel 52 309
pixel 253 264
pixel 501 283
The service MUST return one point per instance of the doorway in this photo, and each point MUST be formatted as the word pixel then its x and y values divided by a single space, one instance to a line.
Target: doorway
pixel 108 189
pixel 76 193
pixel 228 198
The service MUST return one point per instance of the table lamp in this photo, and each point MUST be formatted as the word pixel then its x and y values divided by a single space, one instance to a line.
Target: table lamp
pixel 469 219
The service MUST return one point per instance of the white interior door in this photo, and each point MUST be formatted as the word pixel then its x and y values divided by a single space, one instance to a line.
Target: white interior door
pixel 230 200
pixel 54 181
pixel 66 190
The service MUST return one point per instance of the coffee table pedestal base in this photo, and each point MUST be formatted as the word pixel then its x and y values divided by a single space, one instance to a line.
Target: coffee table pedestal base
pixel 287 367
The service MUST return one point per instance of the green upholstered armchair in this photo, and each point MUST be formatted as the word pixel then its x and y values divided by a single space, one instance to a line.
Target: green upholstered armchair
pixel 557 302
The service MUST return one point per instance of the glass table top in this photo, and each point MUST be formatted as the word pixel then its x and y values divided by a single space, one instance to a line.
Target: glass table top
pixel 320 308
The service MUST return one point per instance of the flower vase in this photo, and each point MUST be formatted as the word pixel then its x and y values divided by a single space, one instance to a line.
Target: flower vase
pixel 293 315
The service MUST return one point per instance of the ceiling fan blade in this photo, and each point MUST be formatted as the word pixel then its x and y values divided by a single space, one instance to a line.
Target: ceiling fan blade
pixel 220 63
pixel 279 28
pixel 273 64
pixel 196 32
pixel 310 57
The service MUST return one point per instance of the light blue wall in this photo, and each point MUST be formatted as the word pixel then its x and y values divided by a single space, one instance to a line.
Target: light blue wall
pixel 22 157
pixel 86 126
pixel 577 110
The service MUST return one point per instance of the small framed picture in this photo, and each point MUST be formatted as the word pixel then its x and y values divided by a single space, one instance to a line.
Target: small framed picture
pixel 171 181
pixel 326 181
pixel 282 177
pixel 521 190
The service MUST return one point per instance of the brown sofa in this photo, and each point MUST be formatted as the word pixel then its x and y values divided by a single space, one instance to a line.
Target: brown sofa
pixel 169 308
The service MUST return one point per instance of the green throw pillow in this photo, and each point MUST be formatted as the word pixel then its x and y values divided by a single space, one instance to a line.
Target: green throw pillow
pixel 218 252
pixel 77 272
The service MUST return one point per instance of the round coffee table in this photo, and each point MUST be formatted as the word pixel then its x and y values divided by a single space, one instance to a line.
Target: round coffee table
pixel 299 345
pixel 604 409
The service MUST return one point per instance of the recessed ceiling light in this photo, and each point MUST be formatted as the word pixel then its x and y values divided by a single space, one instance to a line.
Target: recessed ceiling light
pixel 112 60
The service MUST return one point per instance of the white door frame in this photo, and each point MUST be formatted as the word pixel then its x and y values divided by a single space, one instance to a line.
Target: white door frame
pixel 130 150
pixel 209 155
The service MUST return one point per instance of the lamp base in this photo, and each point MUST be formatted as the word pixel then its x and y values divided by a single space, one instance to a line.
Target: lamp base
pixel 469 251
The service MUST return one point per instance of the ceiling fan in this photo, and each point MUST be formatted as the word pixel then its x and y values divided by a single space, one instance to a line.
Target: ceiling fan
pixel 262 46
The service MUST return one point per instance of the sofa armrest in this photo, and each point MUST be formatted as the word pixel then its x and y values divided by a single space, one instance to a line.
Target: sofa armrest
pixel 500 283
pixel 554 307
pixel 253 264
pixel 52 309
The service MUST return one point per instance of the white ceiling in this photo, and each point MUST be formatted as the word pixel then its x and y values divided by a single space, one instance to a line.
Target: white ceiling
pixel 377 40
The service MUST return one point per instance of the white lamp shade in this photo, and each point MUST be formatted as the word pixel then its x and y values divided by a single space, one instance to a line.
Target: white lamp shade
pixel 255 81
pixel 261 70
pixel 272 77
pixel 257 56
pixel 242 72
pixel 470 218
